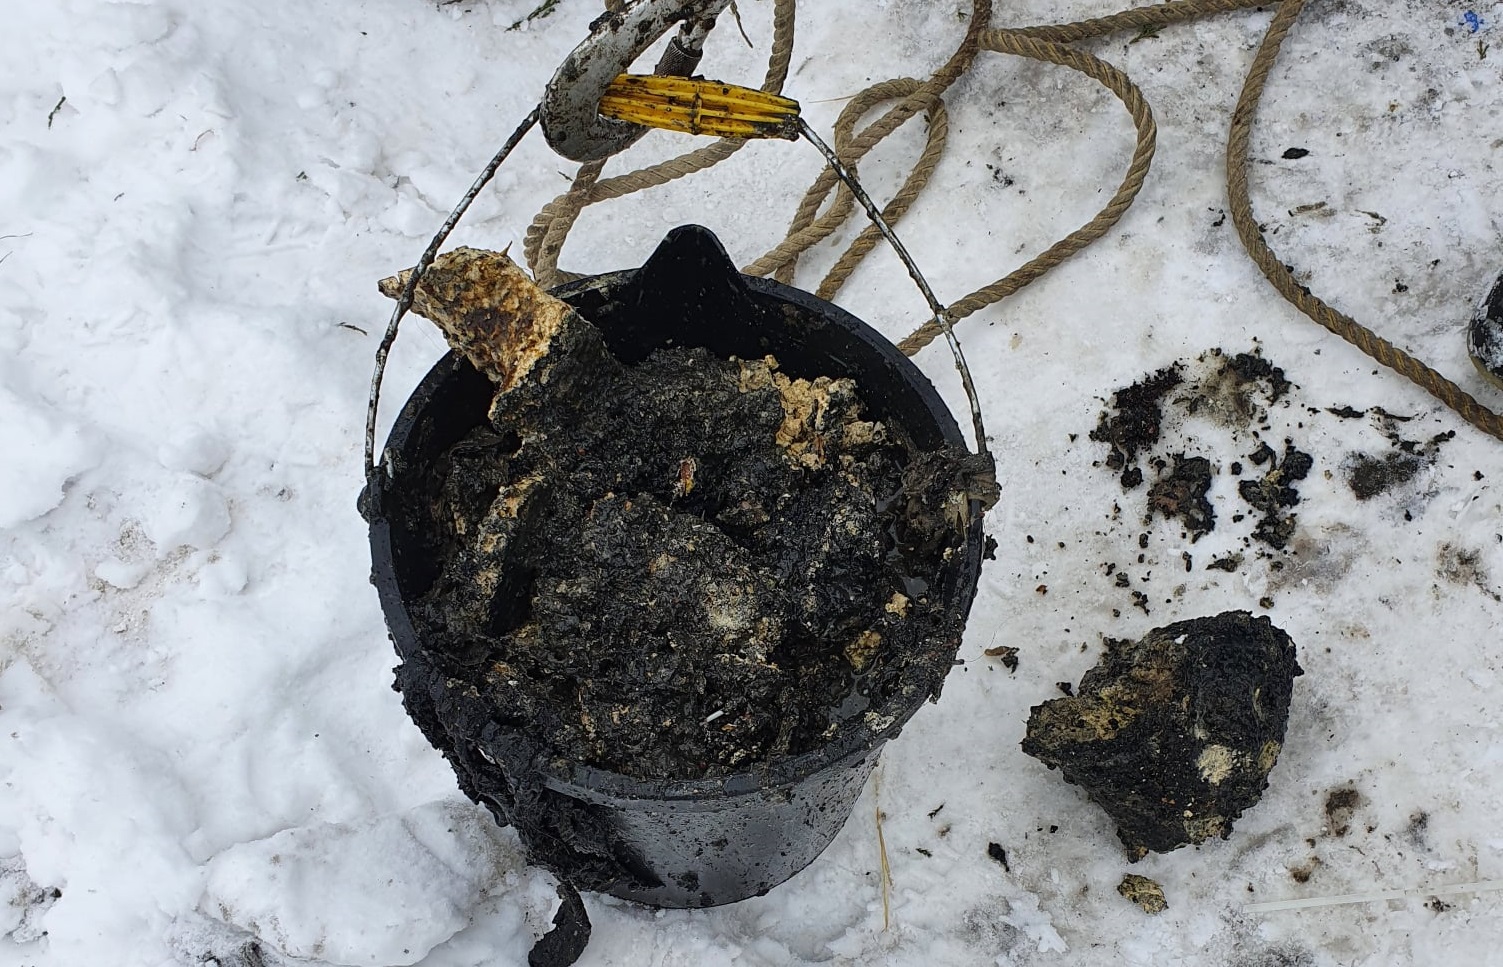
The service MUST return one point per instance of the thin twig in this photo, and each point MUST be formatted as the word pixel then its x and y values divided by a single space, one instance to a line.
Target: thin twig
pixel 541 10
pixel 882 864
pixel 1486 886
pixel 740 26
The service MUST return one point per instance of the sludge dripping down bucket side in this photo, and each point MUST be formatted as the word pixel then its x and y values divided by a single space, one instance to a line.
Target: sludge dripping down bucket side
pixel 680 843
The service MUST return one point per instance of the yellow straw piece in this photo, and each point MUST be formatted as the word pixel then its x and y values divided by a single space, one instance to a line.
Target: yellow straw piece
pixel 700 107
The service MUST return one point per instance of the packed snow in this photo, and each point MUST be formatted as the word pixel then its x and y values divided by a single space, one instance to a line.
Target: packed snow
pixel 201 757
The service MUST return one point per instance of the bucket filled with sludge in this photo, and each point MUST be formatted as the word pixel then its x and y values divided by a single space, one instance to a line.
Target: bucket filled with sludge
pixel 667 555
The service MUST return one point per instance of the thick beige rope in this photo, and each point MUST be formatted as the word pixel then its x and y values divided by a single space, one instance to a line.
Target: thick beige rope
pixel 1139 18
pixel 545 237
pixel 1022 44
pixel 1380 349
pixel 805 229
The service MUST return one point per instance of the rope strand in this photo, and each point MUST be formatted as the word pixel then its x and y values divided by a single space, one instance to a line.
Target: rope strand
pixel 910 97
pixel 1380 349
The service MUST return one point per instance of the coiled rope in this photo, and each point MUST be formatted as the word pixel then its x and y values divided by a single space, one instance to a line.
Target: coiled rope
pixel 909 97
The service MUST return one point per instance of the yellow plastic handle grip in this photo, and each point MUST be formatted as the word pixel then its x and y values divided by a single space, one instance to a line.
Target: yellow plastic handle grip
pixel 693 106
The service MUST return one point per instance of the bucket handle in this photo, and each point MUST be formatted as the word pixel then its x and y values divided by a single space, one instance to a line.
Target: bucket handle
pixel 987 463
pixel 370 500
pixel 981 474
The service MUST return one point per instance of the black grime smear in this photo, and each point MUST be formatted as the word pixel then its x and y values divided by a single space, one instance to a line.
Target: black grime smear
pixel 1174 734
pixel 1134 423
pixel 1237 390
pixel 1251 368
pixel 1369 475
pixel 1339 807
pixel 648 582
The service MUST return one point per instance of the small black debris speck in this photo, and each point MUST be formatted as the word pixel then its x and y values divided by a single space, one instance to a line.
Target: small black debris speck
pixel 1007 654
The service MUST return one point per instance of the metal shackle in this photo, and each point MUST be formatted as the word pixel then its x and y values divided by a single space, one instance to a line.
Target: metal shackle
pixel 569 111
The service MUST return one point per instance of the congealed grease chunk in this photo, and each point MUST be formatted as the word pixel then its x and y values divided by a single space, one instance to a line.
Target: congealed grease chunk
pixel 1174 734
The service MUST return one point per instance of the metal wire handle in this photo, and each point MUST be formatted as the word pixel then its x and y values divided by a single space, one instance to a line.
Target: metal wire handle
pixel 409 289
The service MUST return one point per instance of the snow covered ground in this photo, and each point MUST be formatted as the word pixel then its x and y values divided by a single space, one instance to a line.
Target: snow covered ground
pixel 198 743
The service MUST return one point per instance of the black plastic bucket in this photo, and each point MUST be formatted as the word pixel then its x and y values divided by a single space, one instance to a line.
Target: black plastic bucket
pixel 689 843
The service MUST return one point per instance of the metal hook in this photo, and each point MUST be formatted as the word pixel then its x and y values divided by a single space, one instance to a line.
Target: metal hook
pixel 569 112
